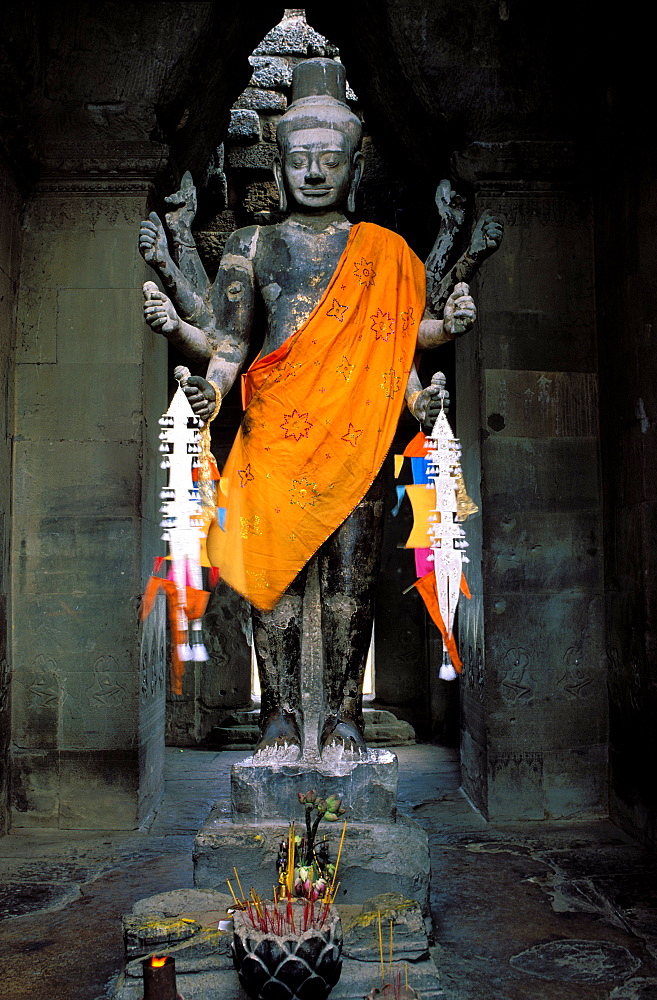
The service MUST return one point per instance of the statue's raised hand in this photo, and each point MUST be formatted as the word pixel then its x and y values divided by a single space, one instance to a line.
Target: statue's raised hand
pixel 430 401
pixel 202 397
pixel 460 311
pixel 153 242
pixel 450 206
pixel 184 205
pixel 159 312
pixel 487 235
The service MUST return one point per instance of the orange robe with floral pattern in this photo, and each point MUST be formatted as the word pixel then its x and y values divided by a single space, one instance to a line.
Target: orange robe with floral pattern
pixel 321 412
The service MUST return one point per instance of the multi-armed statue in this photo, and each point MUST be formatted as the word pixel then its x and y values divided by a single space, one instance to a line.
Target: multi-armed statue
pixel 346 307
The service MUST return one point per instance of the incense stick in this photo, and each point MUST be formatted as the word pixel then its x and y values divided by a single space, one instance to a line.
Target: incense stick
pixel 235 900
pixel 383 967
pixel 239 884
pixel 391 949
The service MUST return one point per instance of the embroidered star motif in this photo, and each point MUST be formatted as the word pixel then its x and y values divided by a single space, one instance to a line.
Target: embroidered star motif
pixel 382 324
pixel 288 370
pixel 352 435
pixel 407 319
pixel 345 369
pixel 296 425
pixel 390 383
pixel 364 271
pixel 246 476
pixel 342 288
pixel 337 311
pixel 250 526
pixel 304 492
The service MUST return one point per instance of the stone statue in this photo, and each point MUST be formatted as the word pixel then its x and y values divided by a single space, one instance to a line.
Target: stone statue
pixel 301 271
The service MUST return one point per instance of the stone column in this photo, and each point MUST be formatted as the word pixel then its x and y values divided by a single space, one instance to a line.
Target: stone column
pixel 11 205
pixel 534 718
pixel 89 683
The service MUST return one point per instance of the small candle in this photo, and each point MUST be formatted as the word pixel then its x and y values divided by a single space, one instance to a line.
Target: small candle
pixel 159 978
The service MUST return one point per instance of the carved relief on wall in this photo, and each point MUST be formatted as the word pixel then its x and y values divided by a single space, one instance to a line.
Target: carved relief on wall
pixel 106 691
pixel 153 657
pixel 45 684
pixel 573 679
pixel 516 684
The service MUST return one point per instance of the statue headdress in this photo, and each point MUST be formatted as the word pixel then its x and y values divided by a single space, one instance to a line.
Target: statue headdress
pixel 319 101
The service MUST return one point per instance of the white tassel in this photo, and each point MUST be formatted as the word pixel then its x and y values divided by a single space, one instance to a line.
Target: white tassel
pixel 447 672
pixel 199 653
pixel 185 651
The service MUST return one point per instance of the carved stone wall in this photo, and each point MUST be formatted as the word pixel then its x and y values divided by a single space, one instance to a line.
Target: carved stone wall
pixel 88 705
pixel 11 206
pixel 626 294
pixel 534 721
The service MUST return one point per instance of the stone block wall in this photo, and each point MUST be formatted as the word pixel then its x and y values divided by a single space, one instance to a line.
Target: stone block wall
pixel 88 683
pixel 626 257
pixel 534 714
pixel 11 207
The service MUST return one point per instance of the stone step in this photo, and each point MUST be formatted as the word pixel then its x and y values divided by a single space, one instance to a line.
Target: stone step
pixel 240 731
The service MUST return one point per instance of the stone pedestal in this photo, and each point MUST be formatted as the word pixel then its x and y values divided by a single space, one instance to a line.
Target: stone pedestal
pixel 382 852
pixel 367 786
pixel 376 857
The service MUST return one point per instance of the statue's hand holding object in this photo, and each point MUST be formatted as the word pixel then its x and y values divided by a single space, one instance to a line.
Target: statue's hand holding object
pixel 460 311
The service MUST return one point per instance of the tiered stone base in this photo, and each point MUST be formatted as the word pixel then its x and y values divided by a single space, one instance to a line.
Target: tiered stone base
pixel 376 858
pixel 204 965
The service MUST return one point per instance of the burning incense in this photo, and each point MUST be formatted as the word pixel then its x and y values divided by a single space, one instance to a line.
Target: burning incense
pixel 232 892
pixel 331 895
pixel 239 884
pixel 391 949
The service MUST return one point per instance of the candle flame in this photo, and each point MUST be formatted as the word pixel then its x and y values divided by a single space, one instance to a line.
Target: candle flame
pixel 157 963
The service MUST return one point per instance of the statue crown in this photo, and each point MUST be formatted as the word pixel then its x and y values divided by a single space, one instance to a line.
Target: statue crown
pixel 319 101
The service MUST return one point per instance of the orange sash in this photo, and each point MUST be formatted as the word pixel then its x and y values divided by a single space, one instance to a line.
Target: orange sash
pixel 322 411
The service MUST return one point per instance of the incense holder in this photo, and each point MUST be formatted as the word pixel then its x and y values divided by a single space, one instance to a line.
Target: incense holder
pixel 304 965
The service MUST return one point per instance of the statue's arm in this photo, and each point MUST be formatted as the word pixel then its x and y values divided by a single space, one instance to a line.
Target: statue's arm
pixel 182 212
pixel 485 240
pixel 451 213
pixel 233 301
pixel 161 316
pixel 223 345
pixel 190 306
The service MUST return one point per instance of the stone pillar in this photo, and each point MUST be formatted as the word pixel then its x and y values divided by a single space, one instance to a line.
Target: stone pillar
pixel 534 717
pixel 89 683
pixel 11 205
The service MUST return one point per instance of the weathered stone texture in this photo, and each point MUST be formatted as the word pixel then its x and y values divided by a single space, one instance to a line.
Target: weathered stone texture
pixel 367 788
pixel 534 694
pixel 244 126
pixel 293 36
pixel 377 857
pixel 11 205
pixel 257 99
pixel 89 691
pixel 270 71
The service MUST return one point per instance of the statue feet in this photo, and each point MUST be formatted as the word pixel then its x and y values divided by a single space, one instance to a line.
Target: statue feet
pixel 342 733
pixel 280 736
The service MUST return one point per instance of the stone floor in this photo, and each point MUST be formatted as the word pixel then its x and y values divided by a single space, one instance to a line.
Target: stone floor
pixel 531 912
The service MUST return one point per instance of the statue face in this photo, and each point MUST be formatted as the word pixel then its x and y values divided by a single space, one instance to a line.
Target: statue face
pixel 317 169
